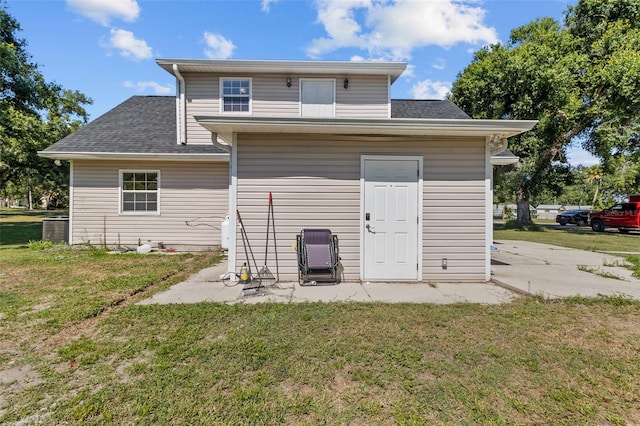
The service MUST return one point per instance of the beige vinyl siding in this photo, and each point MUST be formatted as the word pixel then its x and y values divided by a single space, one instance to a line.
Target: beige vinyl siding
pixel 202 92
pixel 193 192
pixel 315 182
pixel 367 97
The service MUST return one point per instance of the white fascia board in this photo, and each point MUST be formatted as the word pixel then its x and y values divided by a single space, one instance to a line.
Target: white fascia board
pixel 503 161
pixel 132 156
pixel 392 126
pixel 393 69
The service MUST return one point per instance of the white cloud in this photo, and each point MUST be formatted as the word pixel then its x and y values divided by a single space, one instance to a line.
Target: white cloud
pixel 103 11
pixel 394 28
pixel 428 89
pixel 149 86
pixel 266 5
pixel 128 45
pixel 439 64
pixel 218 47
pixel 409 72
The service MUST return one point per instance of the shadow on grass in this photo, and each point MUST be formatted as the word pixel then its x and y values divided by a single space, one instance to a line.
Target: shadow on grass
pixel 554 227
pixel 18 233
pixel 19 226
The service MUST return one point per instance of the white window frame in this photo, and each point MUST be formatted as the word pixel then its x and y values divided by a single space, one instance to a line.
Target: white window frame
pixel 222 96
pixel 327 80
pixel 121 192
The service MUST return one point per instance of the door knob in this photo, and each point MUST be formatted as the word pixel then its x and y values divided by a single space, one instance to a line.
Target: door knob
pixel 370 228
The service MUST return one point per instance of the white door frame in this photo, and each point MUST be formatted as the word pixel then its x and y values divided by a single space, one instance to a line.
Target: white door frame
pixel 420 160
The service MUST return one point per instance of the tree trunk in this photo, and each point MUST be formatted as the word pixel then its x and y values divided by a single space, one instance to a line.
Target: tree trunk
pixel 524 214
pixel 595 195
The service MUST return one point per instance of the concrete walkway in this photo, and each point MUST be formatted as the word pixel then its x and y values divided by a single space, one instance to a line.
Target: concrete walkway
pixel 205 286
pixel 558 272
pixel 518 268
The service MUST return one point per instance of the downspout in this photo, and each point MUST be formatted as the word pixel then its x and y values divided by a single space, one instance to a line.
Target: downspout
pixel 181 107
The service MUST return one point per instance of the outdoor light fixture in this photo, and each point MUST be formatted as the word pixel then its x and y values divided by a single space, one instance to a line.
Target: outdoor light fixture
pixel 288 81
pixel 346 83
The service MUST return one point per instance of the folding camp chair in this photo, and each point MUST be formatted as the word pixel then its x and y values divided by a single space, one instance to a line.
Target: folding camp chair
pixel 318 256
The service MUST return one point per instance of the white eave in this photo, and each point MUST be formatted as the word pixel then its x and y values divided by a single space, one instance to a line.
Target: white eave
pixel 504 160
pixel 61 155
pixel 252 67
pixel 370 127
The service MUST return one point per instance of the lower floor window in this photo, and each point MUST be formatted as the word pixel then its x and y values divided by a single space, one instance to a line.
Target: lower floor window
pixel 140 191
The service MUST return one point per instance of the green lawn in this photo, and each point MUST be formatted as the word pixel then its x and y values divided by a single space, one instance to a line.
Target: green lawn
pixel 19 226
pixel 76 349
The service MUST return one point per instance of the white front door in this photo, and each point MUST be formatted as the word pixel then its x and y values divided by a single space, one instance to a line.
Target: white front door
pixel 390 218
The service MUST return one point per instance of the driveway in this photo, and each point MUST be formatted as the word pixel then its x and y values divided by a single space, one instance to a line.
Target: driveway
pixel 557 272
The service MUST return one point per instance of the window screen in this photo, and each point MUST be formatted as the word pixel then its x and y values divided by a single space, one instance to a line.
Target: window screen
pixel 140 191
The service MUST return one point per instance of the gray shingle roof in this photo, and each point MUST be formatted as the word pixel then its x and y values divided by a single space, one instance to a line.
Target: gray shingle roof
pixel 147 124
pixel 141 124
pixel 414 108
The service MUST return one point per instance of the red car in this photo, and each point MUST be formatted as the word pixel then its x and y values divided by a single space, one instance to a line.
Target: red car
pixel 624 216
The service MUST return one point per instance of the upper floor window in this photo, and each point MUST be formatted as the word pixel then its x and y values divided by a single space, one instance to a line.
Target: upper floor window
pixel 139 191
pixel 235 95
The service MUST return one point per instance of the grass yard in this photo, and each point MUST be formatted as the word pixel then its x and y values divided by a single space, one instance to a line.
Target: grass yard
pixel 572 237
pixel 19 226
pixel 76 349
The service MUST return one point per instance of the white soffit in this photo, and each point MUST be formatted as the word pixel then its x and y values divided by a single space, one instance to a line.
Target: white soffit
pixel 392 126
pixel 338 68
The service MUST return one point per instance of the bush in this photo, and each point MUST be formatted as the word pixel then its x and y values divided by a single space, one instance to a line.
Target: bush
pixel 40 245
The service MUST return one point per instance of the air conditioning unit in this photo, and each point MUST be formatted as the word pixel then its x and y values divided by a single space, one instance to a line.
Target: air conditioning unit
pixel 55 229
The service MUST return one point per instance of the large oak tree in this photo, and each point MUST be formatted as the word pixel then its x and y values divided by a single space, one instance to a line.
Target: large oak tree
pixel 580 79
pixel 33 115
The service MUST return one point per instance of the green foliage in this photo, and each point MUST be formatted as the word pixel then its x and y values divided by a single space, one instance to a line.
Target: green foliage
pixel 33 115
pixel 40 245
pixel 580 80
pixel 635 261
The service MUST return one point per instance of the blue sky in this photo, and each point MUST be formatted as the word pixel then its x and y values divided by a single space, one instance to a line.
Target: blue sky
pixel 106 48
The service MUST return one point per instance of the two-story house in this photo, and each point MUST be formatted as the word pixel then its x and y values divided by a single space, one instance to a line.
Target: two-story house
pixel 405 184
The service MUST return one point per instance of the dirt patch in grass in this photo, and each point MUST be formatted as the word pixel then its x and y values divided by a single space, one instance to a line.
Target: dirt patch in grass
pixel 14 380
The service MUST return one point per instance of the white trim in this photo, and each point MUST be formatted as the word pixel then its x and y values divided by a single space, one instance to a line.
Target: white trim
pixel 327 80
pixel 68 155
pixel 221 94
pixel 120 190
pixel 233 205
pixel 355 126
pixel 420 212
pixel 388 96
pixel 71 194
pixel 488 199
pixel 226 66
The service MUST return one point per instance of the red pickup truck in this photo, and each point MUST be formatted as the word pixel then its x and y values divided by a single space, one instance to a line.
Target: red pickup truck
pixel 624 216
